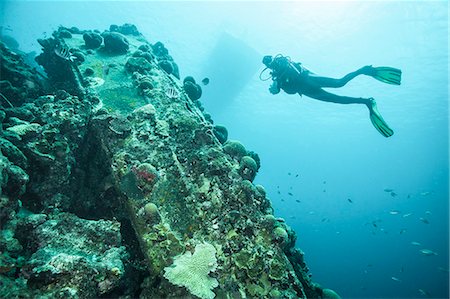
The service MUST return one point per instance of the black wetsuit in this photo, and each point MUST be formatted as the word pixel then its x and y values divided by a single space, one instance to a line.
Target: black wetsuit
pixel 287 76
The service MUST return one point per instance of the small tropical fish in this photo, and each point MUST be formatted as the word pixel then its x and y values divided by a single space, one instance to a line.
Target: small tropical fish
pixel 296 175
pixel 393 194
pixel 105 70
pixel 407 215
pixel 415 243
pixel 297 200
pixel 172 93
pixel 426 193
pixel 278 192
pixel 64 53
pixel 424 220
pixel 394 212
pixel 349 200
pixel 205 81
pixel 428 252
pixel 395 279
pixel 388 190
pixel 424 293
pixel 374 224
pixel 428 212
pixel 290 193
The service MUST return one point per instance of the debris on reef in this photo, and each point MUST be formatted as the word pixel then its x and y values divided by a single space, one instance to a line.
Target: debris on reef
pixel 115 183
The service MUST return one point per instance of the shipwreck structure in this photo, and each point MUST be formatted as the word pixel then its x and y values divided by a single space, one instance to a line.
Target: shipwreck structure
pixel 116 183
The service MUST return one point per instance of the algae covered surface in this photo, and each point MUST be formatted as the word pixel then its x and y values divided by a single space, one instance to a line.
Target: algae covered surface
pixel 116 183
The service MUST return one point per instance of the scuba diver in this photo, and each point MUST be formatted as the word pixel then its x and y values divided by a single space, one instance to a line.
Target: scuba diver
pixel 293 78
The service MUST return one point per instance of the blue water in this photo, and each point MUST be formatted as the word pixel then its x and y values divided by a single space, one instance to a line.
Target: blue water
pixel 333 148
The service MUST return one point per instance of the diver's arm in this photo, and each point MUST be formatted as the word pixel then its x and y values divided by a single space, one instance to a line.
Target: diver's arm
pixel 274 88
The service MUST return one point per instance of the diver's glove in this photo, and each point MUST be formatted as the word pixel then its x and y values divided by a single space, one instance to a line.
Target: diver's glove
pixel 274 89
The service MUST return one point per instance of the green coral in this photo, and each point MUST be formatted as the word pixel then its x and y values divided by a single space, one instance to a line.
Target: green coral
pixel 248 168
pixel 191 271
pixel 235 149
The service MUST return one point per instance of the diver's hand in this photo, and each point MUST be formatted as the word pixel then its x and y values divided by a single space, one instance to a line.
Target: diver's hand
pixel 274 88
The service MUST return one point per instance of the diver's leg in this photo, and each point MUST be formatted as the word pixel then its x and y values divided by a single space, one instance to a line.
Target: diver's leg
pixel 335 83
pixel 375 117
pixel 322 95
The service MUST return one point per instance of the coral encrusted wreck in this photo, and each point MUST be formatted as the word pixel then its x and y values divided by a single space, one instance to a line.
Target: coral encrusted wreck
pixel 114 184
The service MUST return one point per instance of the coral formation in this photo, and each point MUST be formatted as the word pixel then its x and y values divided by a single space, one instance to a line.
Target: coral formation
pixel 191 271
pixel 115 183
pixel 92 40
pixel 115 43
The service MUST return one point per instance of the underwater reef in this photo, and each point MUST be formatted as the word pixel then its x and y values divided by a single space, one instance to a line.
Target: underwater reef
pixel 115 183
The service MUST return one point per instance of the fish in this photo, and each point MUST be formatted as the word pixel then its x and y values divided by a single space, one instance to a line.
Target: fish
pixel 64 53
pixel 278 192
pixel 349 200
pixel 205 81
pixel 172 93
pixel 105 70
pixel 289 173
pixel 428 212
pixel 394 212
pixel 290 194
pixel 426 193
pixel 297 200
pixel 402 230
pixel 407 215
pixel 395 279
pixel 324 219
pixel 296 175
pixel 424 293
pixel 415 243
pixel 428 252
pixel 388 190
pixel 393 194
pixel 324 182
pixel 424 220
